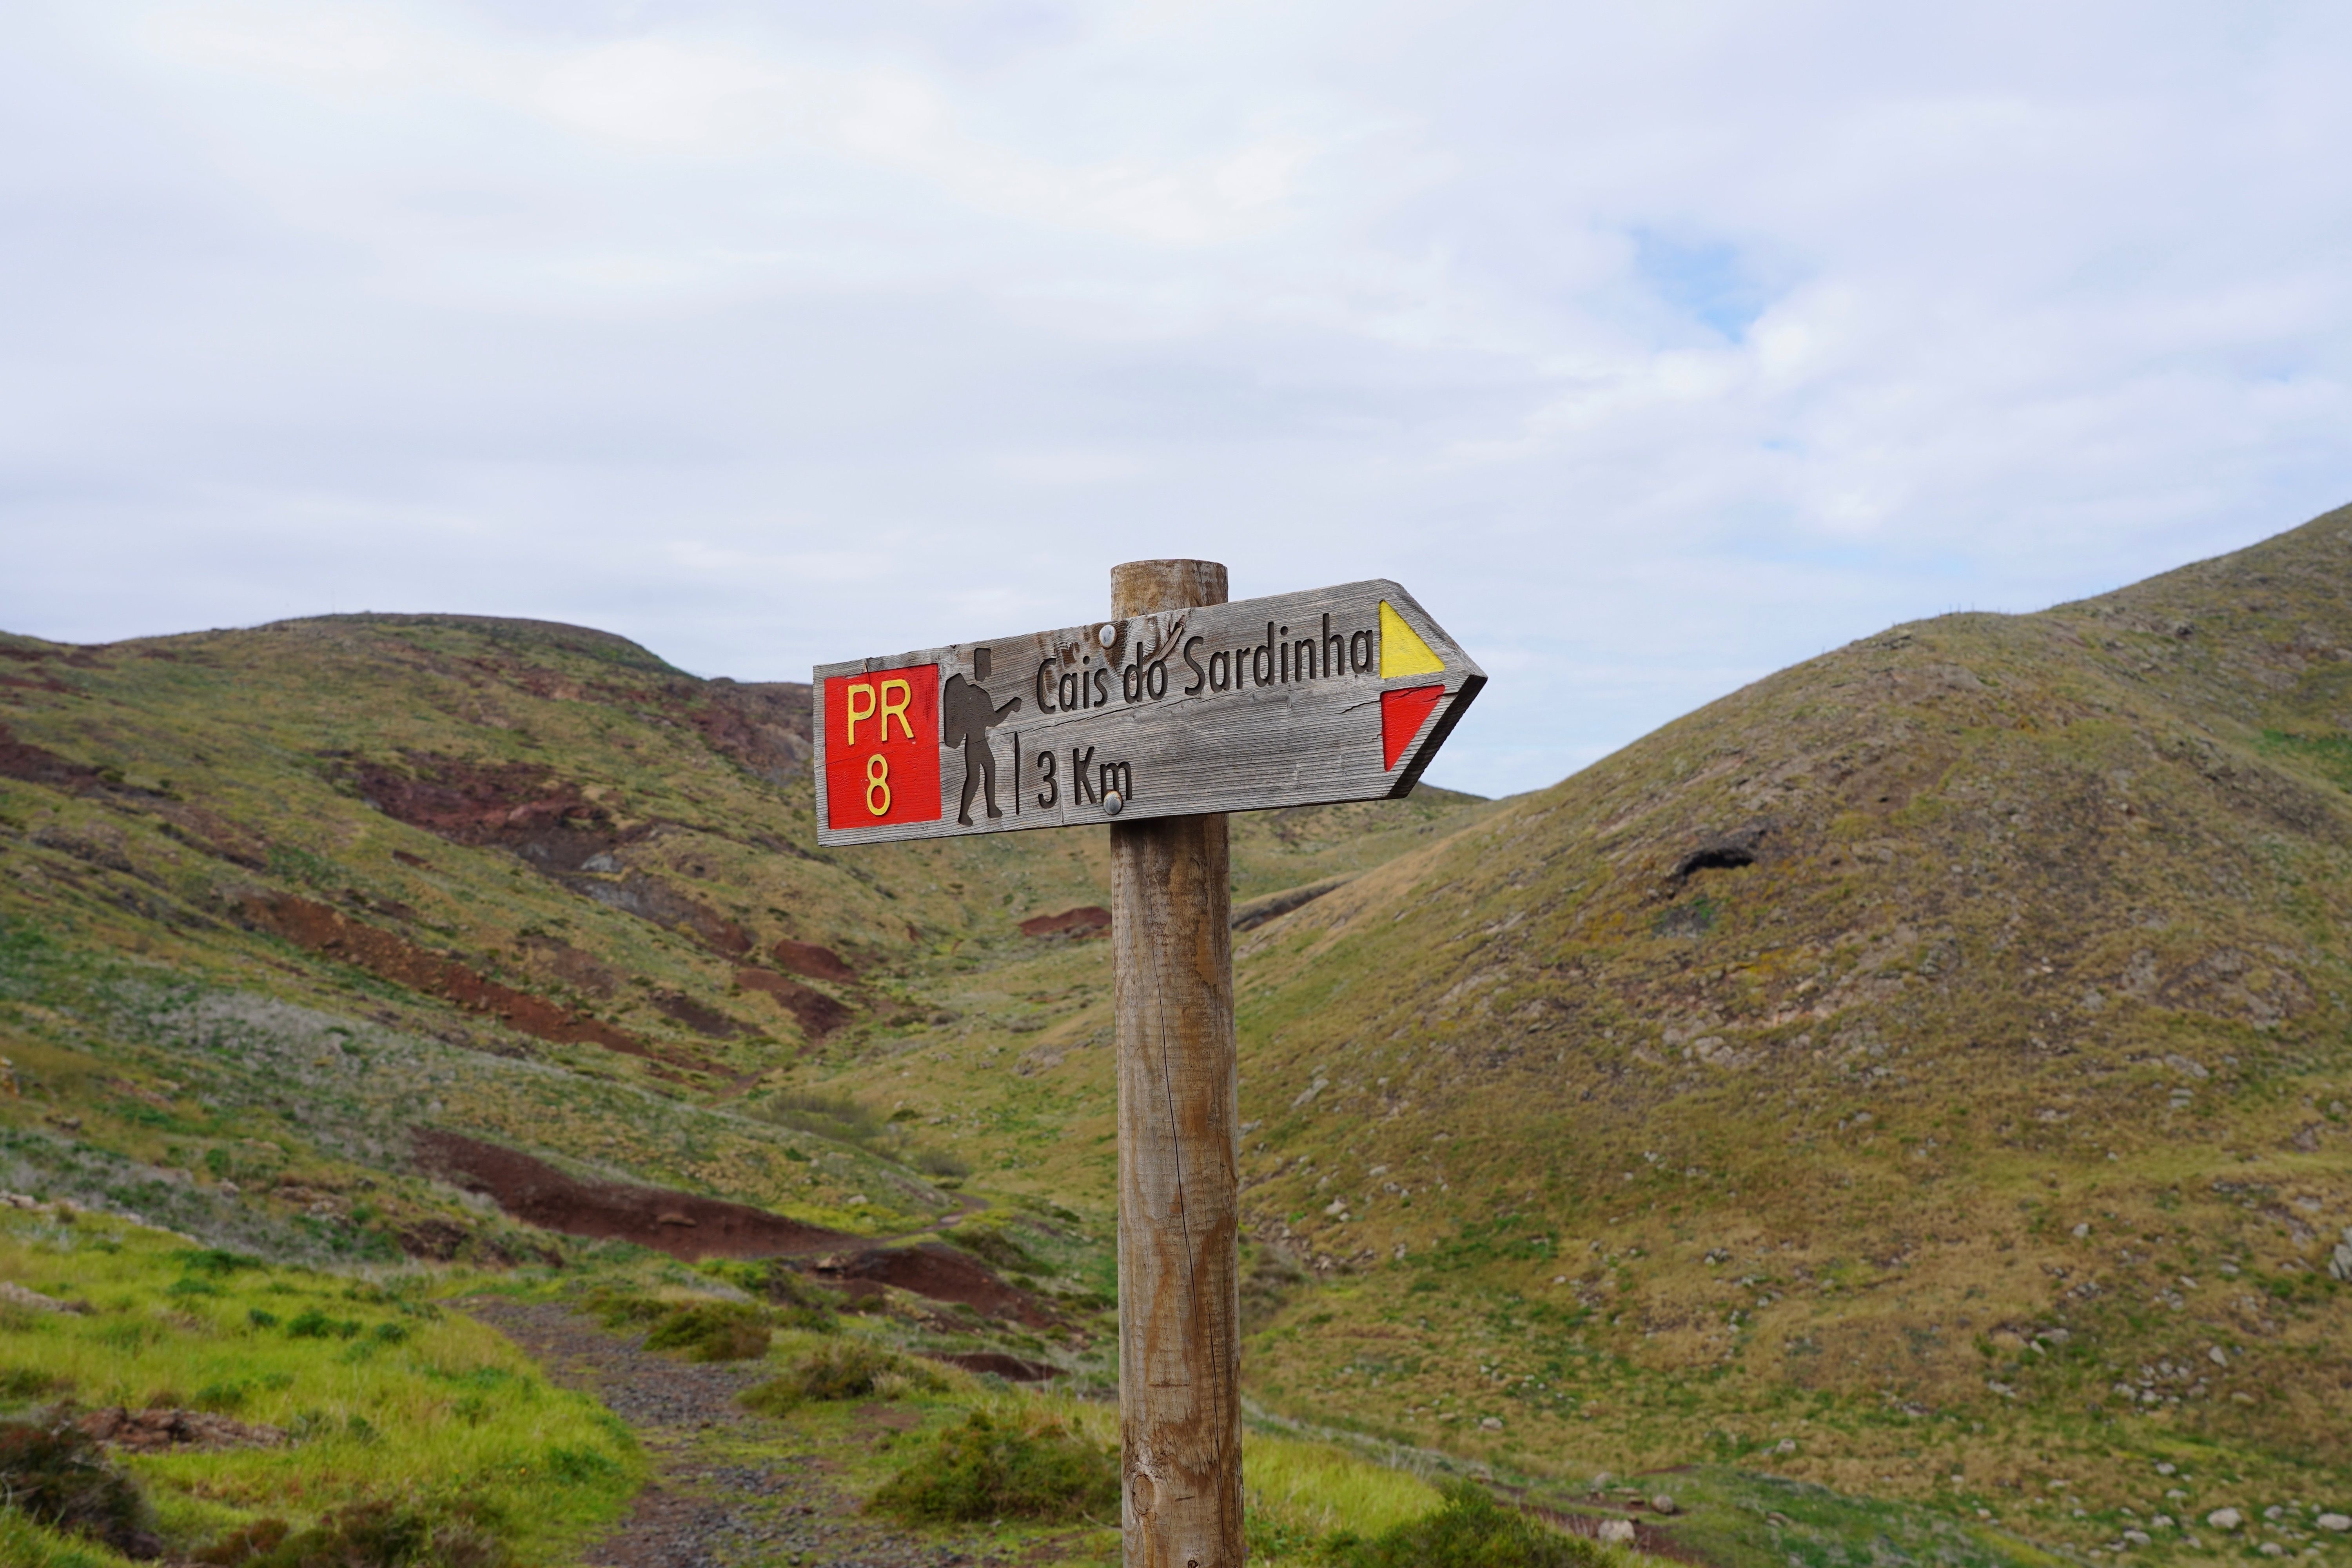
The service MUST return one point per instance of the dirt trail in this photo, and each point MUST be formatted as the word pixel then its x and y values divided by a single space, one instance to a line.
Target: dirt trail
pixel 710 1505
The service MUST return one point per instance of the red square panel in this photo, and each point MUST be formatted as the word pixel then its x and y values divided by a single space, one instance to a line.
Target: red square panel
pixel 882 747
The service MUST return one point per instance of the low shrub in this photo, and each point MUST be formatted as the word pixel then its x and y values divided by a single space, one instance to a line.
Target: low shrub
pixel 1471 1530
pixel 798 1302
pixel 224 1398
pixel 314 1324
pixel 1271 1540
pixel 215 1260
pixel 623 1308
pixel 380 1534
pixel 1028 1468
pixel 852 1369
pixel 248 1544
pixel 714 1330
pixel 801 1304
pixel 19 1384
pixel 60 1477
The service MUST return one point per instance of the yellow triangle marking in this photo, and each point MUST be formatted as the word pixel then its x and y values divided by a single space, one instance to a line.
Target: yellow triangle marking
pixel 1401 650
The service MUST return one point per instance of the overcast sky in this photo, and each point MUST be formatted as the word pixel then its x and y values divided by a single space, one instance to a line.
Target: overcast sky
pixel 1654 346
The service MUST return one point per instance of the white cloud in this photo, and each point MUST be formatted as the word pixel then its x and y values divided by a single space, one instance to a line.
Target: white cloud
pixel 1652 346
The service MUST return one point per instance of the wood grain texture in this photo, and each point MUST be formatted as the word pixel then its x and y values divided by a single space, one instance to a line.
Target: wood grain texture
pixel 1179 1189
pixel 1138 698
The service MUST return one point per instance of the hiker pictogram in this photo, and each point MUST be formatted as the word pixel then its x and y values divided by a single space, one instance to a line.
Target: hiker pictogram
pixel 966 716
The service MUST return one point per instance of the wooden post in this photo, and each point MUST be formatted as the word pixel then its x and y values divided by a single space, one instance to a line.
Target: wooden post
pixel 1179 1192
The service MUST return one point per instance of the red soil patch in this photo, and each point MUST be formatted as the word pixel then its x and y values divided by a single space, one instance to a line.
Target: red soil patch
pixel 763 726
pixel 190 825
pixel 334 934
pixel 817 1013
pixel 686 1227
pixel 21 760
pixel 702 1020
pixel 940 1272
pixel 547 821
pixel 518 806
pixel 1088 919
pixel 816 962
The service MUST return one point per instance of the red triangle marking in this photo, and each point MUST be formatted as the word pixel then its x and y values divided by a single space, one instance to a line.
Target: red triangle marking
pixel 1401 713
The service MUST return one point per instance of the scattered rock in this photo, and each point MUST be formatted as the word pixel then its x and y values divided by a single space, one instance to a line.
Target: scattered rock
pixel 21 1296
pixel 145 1431
pixel 1618 1530
pixel 1491 1423
pixel 2335 1522
pixel 1662 1503
pixel 2225 1519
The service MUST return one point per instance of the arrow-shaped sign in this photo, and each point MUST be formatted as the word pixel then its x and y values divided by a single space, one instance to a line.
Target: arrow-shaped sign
pixel 1341 693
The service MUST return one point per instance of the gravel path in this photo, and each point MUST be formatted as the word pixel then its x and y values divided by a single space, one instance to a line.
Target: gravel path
pixel 711 1509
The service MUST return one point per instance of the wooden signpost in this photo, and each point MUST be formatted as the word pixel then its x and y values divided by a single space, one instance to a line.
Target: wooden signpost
pixel 1160 720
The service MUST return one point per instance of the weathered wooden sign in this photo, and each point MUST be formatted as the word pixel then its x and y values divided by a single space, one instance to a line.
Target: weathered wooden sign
pixel 1339 694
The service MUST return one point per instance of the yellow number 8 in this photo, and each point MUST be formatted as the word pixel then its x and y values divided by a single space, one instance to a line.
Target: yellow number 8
pixel 878 777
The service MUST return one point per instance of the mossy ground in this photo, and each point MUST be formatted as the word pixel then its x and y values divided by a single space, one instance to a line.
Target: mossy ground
pixel 386 1396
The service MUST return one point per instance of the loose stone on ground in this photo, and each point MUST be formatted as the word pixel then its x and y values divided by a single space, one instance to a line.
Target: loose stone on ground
pixel 703 1509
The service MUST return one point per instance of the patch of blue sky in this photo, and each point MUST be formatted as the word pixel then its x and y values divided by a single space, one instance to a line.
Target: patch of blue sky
pixel 1712 283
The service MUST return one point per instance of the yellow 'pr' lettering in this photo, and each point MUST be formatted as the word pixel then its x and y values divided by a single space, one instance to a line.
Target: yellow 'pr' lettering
pixel 855 713
pixel 898 709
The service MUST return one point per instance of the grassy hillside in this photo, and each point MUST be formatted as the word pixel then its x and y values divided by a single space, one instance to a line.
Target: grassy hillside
pixel 1921 1074
pixel 1926 1067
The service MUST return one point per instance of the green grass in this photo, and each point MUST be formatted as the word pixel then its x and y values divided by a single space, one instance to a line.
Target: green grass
pixel 1740 1516
pixel 413 1405
pixel 23 1544
pixel 1471 1529
pixel 1315 1488
pixel 2330 754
